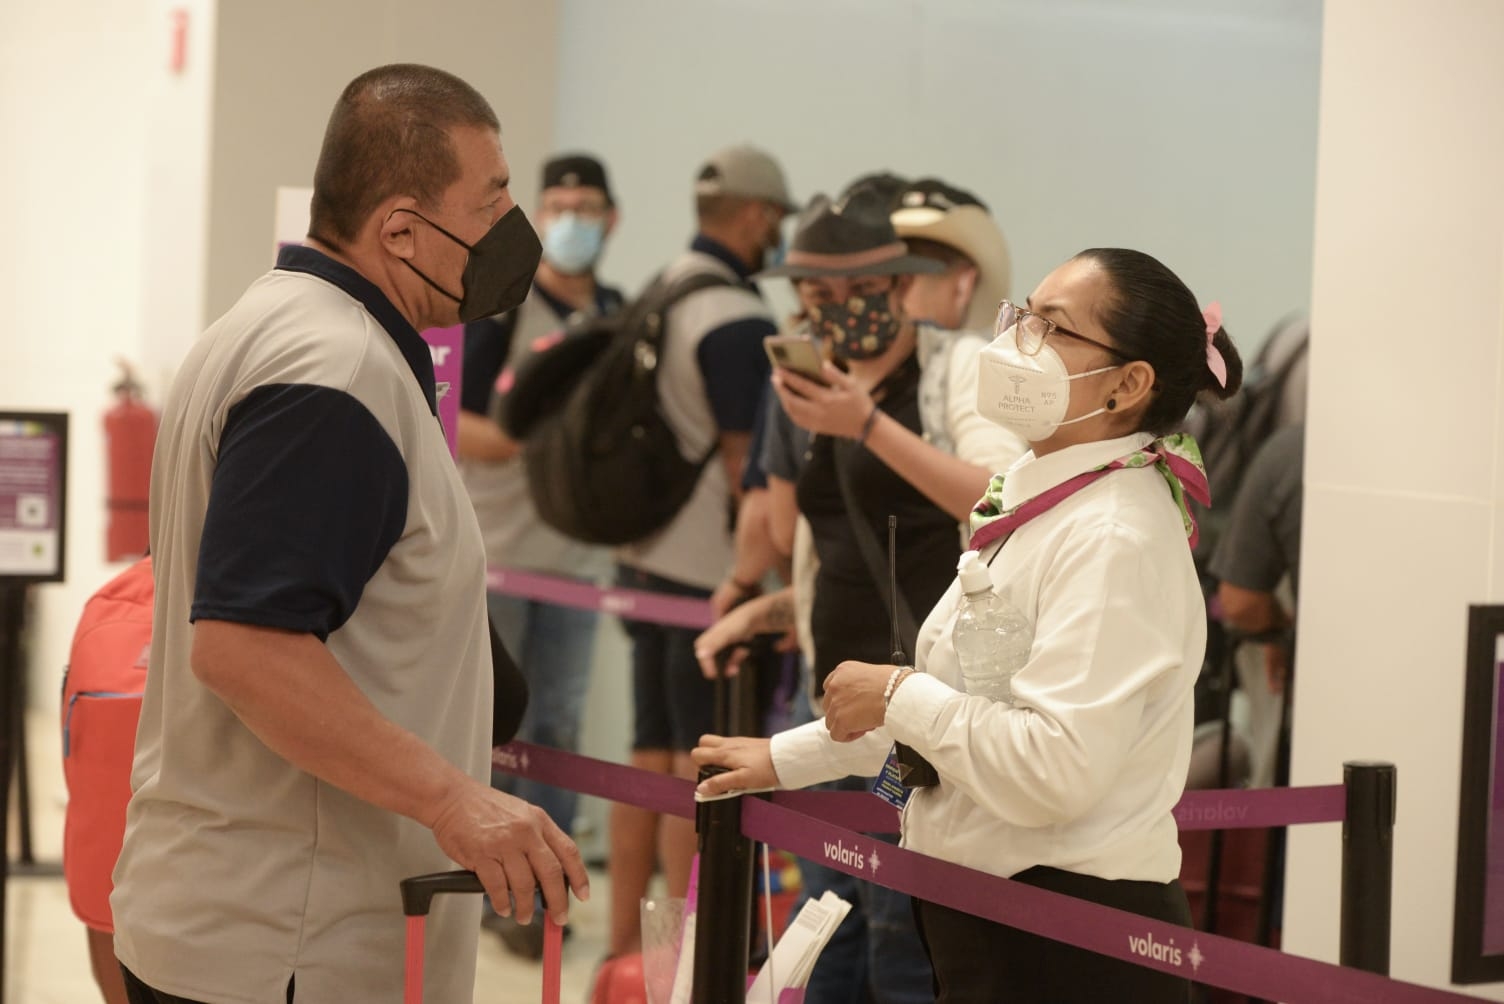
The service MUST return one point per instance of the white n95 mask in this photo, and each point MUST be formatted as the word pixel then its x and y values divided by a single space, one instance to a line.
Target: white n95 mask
pixel 1029 395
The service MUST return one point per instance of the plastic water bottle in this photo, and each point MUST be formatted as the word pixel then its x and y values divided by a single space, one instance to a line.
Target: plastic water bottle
pixel 992 638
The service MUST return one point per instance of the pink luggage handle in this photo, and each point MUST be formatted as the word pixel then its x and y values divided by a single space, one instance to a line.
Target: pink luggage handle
pixel 417 900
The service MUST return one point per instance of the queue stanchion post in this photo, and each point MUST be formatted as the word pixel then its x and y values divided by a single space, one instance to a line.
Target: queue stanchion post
pixel 1227 655
pixel 1367 864
pixel 723 910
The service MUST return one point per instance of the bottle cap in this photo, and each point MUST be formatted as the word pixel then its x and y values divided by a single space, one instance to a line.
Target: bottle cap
pixel 974 575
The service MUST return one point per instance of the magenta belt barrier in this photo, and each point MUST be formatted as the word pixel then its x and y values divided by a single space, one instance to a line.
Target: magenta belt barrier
pixel 633 604
pixel 799 822
pixel 1220 809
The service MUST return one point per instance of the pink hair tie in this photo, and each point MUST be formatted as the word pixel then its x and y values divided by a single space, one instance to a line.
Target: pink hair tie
pixel 1214 361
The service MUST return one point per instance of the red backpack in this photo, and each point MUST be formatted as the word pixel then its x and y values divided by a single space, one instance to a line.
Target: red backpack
pixel 102 690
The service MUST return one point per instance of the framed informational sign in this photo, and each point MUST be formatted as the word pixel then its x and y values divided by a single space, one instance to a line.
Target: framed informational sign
pixel 1478 928
pixel 33 496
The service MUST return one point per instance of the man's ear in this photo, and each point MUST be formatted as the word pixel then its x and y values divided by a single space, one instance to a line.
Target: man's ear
pixel 612 215
pixel 395 231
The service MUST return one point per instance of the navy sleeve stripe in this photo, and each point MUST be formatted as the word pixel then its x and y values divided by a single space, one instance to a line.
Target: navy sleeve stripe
pixel 755 475
pixel 308 496
pixel 487 342
pixel 735 368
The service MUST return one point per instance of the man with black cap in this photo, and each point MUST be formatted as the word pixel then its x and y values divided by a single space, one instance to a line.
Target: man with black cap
pixel 553 644
pixel 711 371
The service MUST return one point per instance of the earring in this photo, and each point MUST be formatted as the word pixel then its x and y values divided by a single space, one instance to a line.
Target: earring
pixel 1112 403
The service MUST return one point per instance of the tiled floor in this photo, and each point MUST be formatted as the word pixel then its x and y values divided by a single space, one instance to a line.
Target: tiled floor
pixel 46 960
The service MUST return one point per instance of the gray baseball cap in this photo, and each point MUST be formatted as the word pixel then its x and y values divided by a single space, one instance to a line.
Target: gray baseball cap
pixel 745 171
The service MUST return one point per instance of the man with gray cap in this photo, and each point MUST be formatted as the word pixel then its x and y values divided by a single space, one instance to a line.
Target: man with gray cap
pixel 711 371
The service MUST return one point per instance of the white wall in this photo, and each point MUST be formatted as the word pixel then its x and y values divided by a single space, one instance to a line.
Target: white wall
pixel 283 63
pixel 1404 502
pixel 1186 128
pixel 76 81
pixel 176 226
pixel 115 245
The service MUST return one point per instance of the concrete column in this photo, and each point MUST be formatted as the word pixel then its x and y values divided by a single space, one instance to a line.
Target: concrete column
pixel 1403 490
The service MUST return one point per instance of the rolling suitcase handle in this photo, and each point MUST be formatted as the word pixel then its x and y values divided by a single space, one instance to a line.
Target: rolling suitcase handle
pixel 417 900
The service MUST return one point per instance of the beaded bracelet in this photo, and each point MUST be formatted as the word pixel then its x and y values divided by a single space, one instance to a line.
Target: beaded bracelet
pixel 898 673
pixel 867 425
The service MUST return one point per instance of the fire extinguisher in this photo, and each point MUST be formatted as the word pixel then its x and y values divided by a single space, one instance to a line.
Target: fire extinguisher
pixel 130 434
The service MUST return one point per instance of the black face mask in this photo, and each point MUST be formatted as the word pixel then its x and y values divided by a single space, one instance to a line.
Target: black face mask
pixel 500 269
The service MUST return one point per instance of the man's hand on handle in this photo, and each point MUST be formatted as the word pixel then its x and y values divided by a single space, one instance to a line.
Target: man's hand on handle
pixel 514 848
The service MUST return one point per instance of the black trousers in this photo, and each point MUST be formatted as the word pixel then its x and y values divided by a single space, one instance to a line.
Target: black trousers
pixel 978 960
pixel 138 992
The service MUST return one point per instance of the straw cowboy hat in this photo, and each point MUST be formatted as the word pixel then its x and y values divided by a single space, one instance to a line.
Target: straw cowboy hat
pixel 931 210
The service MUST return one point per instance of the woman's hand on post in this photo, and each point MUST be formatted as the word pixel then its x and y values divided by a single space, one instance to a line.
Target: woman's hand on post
pixel 748 762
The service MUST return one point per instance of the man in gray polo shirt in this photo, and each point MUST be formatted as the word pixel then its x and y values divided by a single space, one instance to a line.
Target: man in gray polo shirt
pixel 318 710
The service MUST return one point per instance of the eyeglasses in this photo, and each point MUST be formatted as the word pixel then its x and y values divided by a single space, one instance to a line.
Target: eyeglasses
pixel 1033 330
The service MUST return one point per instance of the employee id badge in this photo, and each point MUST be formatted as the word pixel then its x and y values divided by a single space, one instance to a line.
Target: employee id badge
pixel 888 785
pixel 902 772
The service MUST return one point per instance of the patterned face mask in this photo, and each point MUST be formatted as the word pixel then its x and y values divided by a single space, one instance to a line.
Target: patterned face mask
pixel 864 327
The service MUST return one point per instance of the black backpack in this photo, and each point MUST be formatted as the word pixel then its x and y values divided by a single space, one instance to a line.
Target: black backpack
pixel 603 464
pixel 1230 432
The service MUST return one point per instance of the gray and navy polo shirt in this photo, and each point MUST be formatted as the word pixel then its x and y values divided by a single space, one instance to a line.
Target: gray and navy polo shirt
pixel 301 481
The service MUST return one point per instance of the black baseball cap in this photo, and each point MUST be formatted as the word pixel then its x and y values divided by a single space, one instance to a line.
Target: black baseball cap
pixel 577 170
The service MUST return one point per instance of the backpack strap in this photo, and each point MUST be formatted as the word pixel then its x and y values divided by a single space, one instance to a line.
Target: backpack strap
pixel 661 296
pixel 652 324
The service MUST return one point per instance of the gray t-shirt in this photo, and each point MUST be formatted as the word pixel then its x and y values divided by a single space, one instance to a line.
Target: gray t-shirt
pixel 784 444
pixel 695 548
pixel 302 481
pixel 1262 540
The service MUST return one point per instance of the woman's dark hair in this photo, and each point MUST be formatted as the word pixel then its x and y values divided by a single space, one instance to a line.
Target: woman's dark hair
pixel 1153 316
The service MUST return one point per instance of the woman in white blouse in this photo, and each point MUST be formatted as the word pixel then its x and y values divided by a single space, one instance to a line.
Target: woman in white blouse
pixel 1069 787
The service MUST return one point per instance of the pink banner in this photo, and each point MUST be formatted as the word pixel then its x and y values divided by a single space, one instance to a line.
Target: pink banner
pixel 448 348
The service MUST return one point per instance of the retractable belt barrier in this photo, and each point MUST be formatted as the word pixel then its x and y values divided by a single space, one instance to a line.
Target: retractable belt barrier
pixel 634 604
pixel 804 824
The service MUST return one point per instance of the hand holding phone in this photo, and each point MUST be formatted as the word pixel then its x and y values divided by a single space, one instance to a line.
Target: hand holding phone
pixel 797 353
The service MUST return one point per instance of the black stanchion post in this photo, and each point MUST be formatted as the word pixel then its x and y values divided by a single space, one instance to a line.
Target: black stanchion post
pixel 1367 864
pixel 723 912
pixel 25 856
pixel 12 613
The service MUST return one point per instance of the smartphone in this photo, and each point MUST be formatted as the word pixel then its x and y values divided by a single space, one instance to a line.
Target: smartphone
pixel 797 353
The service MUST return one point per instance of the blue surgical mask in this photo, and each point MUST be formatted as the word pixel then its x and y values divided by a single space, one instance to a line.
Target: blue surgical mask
pixel 573 245
pixel 775 256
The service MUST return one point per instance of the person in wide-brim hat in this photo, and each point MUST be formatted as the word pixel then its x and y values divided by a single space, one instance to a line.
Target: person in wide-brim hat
pixel 846 238
pixel 935 212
